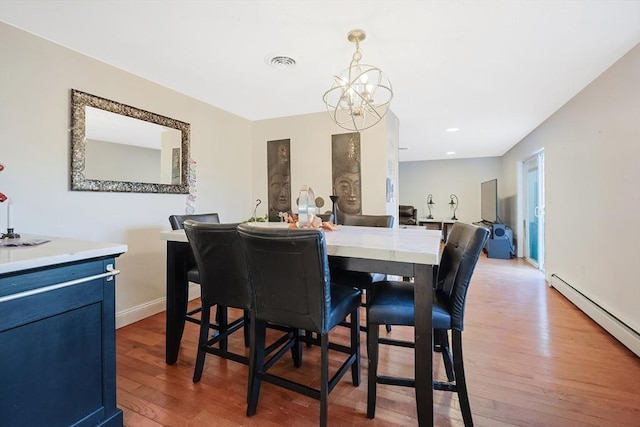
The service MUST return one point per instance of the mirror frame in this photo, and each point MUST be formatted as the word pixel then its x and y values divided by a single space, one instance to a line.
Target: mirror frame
pixel 80 100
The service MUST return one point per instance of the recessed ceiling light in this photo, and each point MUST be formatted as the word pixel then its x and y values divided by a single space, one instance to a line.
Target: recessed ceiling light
pixel 450 153
pixel 453 130
pixel 280 61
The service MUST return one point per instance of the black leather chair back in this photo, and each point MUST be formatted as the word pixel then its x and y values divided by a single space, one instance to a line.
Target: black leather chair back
pixel 290 276
pixel 221 262
pixel 367 220
pixel 407 215
pixel 177 221
pixel 459 259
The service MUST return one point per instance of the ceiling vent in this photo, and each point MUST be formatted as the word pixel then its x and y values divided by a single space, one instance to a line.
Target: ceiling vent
pixel 280 61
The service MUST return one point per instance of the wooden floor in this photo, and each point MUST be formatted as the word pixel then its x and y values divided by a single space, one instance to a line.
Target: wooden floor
pixel 531 358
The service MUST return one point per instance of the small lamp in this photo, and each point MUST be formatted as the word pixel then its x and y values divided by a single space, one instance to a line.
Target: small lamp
pixel 454 205
pixel 430 204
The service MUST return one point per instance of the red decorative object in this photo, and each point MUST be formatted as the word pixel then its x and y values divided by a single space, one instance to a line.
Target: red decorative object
pixel 2 196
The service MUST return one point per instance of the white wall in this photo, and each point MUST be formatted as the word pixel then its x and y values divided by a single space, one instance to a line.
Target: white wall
pixel 36 77
pixel 592 161
pixel 310 136
pixel 592 172
pixel 441 178
pixel 393 156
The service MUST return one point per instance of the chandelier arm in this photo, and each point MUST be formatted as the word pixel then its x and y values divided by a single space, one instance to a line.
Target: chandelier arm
pixel 353 122
pixel 372 108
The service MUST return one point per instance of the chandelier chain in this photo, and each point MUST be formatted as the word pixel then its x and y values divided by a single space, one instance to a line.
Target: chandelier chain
pixel 357 55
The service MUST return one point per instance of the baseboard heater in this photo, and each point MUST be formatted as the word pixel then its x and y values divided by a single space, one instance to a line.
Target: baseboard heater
pixel 609 321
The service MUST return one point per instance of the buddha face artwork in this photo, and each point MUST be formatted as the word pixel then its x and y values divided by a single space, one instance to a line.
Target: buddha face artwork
pixel 345 154
pixel 279 178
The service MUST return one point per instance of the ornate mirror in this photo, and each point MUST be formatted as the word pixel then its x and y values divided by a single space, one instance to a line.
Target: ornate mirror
pixel 116 147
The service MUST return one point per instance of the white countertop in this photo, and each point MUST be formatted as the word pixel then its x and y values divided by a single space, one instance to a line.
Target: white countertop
pixel 415 245
pixel 57 251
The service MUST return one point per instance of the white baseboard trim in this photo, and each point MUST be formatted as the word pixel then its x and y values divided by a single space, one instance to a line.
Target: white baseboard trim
pixel 148 309
pixel 619 330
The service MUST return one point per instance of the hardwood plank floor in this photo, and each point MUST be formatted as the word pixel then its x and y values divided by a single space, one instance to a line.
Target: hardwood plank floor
pixel 531 358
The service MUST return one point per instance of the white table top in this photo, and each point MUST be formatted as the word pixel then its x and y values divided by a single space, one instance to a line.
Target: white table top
pixel 57 251
pixel 414 245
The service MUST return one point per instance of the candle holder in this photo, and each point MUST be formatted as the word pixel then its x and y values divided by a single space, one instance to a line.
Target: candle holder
pixel 10 234
pixel 334 200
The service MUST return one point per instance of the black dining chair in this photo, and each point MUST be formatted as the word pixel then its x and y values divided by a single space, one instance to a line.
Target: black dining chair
pixel 366 220
pixel 362 280
pixel 177 221
pixel 290 274
pixel 224 282
pixel 392 303
pixel 193 275
pixel 407 215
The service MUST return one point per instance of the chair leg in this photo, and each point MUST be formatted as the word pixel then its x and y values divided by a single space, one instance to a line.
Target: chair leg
pixel 218 314
pixel 355 346
pixel 324 378
pixel 223 324
pixel 372 375
pixel 202 341
pixel 296 350
pixel 256 364
pixel 309 335
pixel 245 327
pixel 461 383
pixel 441 344
pixel 252 358
pixel 367 298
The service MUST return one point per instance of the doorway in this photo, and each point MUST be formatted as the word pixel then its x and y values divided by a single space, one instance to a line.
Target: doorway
pixel 534 210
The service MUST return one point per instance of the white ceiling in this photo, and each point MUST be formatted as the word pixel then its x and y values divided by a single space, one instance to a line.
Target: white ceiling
pixel 494 69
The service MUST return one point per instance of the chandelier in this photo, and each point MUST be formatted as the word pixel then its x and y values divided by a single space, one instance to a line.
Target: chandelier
pixel 359 96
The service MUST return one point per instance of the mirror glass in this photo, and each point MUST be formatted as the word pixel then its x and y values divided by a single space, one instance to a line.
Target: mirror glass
pixel 116 147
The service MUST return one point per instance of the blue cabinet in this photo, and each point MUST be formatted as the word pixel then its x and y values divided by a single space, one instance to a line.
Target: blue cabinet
pixel 57 346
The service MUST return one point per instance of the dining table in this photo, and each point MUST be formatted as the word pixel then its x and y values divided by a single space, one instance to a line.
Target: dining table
pixel 440 224
pixel 408 252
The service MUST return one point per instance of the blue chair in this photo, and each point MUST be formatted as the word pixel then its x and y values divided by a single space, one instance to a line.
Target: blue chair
pixel 361 280
pixel 289 271
pixel 392 304
pixel 193 275
pixel 224 281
